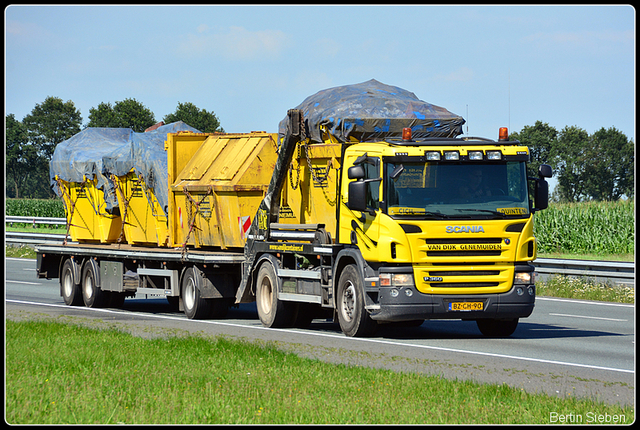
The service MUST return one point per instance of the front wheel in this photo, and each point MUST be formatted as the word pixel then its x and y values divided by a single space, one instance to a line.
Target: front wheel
pixel 272 312
pixel 353 317
pixel 497 328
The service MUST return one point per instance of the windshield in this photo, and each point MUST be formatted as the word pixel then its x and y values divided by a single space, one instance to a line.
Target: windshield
pixel 445 190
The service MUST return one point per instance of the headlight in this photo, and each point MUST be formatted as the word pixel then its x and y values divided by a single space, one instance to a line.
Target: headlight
pixel 523 278
pixel 475 155
pixel 451 155
pixel 432 155
pixel 396 279
pixel 494 155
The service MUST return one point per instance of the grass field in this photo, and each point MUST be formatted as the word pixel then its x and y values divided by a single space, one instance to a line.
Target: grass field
pixel 67 374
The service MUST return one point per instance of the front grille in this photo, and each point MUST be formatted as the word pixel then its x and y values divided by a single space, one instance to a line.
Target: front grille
pixel 465 273
pixel 465 284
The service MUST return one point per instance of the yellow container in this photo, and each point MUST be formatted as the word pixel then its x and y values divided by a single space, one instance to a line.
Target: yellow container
pixel 309 195
pixel 144 221
pixel 87 214
pixel 216 183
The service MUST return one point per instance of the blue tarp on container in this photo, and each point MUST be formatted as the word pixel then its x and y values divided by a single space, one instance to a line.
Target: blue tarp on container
pixel 99 152
pixel 374 111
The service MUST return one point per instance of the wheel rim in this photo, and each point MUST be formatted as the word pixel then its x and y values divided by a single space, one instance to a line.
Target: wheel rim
pixel 189 294
pixel 67 285
pixel 88 286
pixel 348 302
pixel 266 295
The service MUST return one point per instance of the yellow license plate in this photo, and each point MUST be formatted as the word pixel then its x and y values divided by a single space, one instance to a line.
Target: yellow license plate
pixel 466 306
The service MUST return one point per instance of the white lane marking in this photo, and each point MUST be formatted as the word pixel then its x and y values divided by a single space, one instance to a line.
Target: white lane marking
pixel 592 318
pixel 584 302
pixel 22 282
pixel 356 339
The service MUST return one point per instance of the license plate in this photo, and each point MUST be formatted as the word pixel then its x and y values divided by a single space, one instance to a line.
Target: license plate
pixel 466 306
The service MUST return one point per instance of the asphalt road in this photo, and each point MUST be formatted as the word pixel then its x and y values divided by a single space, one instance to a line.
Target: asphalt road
pixel 566 347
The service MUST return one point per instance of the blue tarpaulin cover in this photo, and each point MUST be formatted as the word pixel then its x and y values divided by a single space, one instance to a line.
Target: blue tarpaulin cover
pixel 99 152
pixel 374 111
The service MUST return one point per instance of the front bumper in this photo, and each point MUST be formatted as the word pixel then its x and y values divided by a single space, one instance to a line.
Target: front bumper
pixel 416 306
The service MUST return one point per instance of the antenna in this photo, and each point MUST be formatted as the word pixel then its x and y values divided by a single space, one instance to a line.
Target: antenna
pixel 509 97
pixel 467 120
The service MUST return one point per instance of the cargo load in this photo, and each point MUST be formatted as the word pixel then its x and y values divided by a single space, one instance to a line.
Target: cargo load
pixel 217 182
pixel 372 111
pixel 113 182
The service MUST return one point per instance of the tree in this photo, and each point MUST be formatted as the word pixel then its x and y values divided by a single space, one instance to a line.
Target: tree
pixel 570 157
pixel 48 124
pixel 541 140
pixel 609 165
pixel 20 154
pixel 128 113
pixel 206 122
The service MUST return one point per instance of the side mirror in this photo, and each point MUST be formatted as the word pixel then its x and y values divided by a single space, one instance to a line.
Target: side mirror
pixel 356 172
pixel 542 194
pixel 357 195
pixel 544 171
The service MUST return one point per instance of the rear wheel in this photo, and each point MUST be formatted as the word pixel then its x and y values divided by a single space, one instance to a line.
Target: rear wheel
pixel 272 312
pixel 92 294
pixel 353 317
pixel 70 290
pixel 195 307
pixel 497 328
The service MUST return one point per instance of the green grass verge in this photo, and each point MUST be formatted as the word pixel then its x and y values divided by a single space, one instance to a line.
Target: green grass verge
pixel 62 373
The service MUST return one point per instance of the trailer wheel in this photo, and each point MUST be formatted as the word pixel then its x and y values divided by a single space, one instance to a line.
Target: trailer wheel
pixel 195 307
pixel 497 328
pixel 353 317
pixel 272 312
pixel 70 289
pixel 92 294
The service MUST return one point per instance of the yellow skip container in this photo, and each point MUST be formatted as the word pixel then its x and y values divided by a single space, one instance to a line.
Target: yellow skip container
pixel 216 183
pixel 88 219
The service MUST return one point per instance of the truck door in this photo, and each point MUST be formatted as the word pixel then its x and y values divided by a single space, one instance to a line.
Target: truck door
pixel 360 216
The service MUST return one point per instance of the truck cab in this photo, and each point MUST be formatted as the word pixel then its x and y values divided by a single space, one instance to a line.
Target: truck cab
pixel 445 227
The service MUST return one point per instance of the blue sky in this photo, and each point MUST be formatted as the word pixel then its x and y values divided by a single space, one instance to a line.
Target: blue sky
pixel 494 65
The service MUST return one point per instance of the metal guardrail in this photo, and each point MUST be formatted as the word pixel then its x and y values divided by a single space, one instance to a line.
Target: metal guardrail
pixel 35 238
pixel 35 220
pixel 616 272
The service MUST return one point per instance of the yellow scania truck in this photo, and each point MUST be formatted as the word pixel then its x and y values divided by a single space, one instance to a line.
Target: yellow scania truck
pixel 364 216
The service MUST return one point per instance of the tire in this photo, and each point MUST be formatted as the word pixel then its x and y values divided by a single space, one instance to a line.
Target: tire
pixel 273 313
pixel 497 328
pixel 70 289
pixel 353 317
pixel 92 294
pixel 195 307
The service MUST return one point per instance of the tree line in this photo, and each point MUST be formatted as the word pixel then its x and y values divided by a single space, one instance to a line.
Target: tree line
pixel 598 166
pixel 30 143
pixel 587 167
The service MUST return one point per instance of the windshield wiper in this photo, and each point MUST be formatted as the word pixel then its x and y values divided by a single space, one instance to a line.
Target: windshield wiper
pixel 500 214
pixel 421 214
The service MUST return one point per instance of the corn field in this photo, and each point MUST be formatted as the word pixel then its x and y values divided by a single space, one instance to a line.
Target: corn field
pixel 586 227
pixel 35 207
